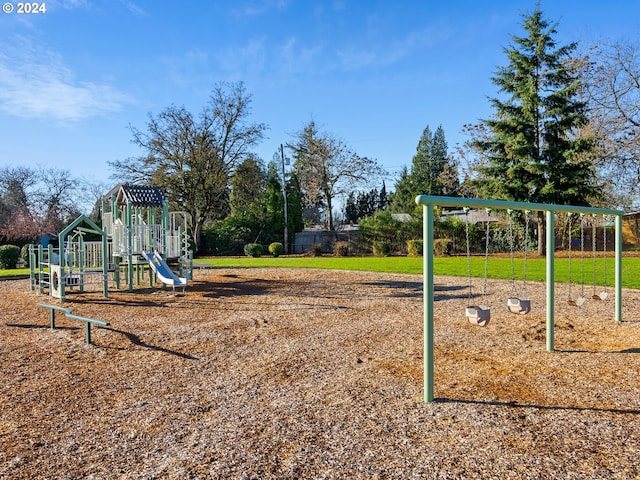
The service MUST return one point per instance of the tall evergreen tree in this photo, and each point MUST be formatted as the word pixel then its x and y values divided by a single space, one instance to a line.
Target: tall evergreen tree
pixel 422 165
pixel 383 201
pixel 432 172
pixel 444 171
pixel 274 201
pixel 533 151
pixel 294 207
pixel 351 209
pixel 403 199
pixel 364 204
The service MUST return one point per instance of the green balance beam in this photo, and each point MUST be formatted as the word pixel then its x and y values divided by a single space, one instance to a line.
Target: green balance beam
pixel 67 311
pixel 88 322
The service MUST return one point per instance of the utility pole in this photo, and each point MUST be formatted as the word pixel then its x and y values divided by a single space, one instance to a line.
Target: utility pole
pixel 284 194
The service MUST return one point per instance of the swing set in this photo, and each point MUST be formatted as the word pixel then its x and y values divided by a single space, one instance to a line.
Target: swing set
pixel 603 294
pixel 518 302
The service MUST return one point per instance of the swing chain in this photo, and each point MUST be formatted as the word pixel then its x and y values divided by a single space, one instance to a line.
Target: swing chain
pixel 466 228
pixel 582 251
pixel 570 241
pixel 526 247
pixel 486 252
pixel 594 233
pixel 513 269
pixel 604 249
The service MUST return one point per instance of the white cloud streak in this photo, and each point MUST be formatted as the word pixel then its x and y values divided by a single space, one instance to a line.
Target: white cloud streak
pixel 263 7
pixel 355 58
pixel 35 83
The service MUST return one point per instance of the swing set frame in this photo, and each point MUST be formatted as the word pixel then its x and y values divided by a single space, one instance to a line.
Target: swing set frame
pixel 429 203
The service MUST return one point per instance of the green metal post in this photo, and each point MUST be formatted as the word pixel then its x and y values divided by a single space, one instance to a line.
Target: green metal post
pixel 550 256
pixel 181 262
pixel 427 254
pixel 428 203
pixel 105 265
pixel 87 332
pixel 116 272
pixel 130 246
pixel 62 260
pixel 114 209
pixel 41 267
pixel 32 268
pixel 50 255
pixel 52 318
pixel 165 226
pixel 618 268
pixel 81 261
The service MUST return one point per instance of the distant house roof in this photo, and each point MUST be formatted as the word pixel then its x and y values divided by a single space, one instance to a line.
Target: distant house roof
pixel 473 216
pixel 139 195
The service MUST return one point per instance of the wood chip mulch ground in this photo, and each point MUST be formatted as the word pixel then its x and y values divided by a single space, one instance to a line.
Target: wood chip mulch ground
pixel 309 374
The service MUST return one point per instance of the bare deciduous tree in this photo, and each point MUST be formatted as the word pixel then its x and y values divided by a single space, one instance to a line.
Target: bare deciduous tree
pixel 612 71
pixel 192 158
pixel 35 201
pixel 328 168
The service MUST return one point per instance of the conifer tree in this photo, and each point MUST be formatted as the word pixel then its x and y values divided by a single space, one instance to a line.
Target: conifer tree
pixel 403 199
pixel 430 163
pixel 534 151
pixel 432 172
pixel 422 164
pixel 382 199
pixel 351 209
pixel 274 201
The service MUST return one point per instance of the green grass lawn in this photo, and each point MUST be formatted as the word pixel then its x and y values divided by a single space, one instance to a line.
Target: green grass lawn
pixel 498 267
pixel 13 272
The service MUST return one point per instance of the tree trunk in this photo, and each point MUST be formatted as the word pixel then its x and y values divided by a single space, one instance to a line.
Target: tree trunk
pixel 197 236
pixel 329 213
pixel 542 238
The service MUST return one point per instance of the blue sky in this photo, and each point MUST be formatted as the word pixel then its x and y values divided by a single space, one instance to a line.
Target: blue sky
pixel 373 73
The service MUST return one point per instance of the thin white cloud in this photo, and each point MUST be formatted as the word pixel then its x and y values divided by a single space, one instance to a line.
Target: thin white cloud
pixel 187 69
pixel 262 7
pixel 248 59
pixel 296 59
pixel 392 51
pixel 135 8
pixel 35 83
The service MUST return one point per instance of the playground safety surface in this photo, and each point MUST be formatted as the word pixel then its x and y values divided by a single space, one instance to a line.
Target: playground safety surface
pixel 289 374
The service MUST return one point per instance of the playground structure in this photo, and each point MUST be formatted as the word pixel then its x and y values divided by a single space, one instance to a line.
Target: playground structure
pixel 480 314
pixel 137 231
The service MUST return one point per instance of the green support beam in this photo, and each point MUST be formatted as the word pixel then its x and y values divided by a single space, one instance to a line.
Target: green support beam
pixel 429 202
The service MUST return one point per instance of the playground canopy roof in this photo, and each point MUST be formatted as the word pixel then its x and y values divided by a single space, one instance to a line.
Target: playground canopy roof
pixel 138 195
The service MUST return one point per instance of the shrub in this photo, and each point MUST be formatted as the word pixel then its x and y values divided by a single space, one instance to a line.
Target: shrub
pixel 381 249
pixel 276 249
pixel 442 247
pixel 383 227
pixel 414 248
pixel 316 250
pixel 24 254
pixel 341 249
pixel 9 255
pixel 253 250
